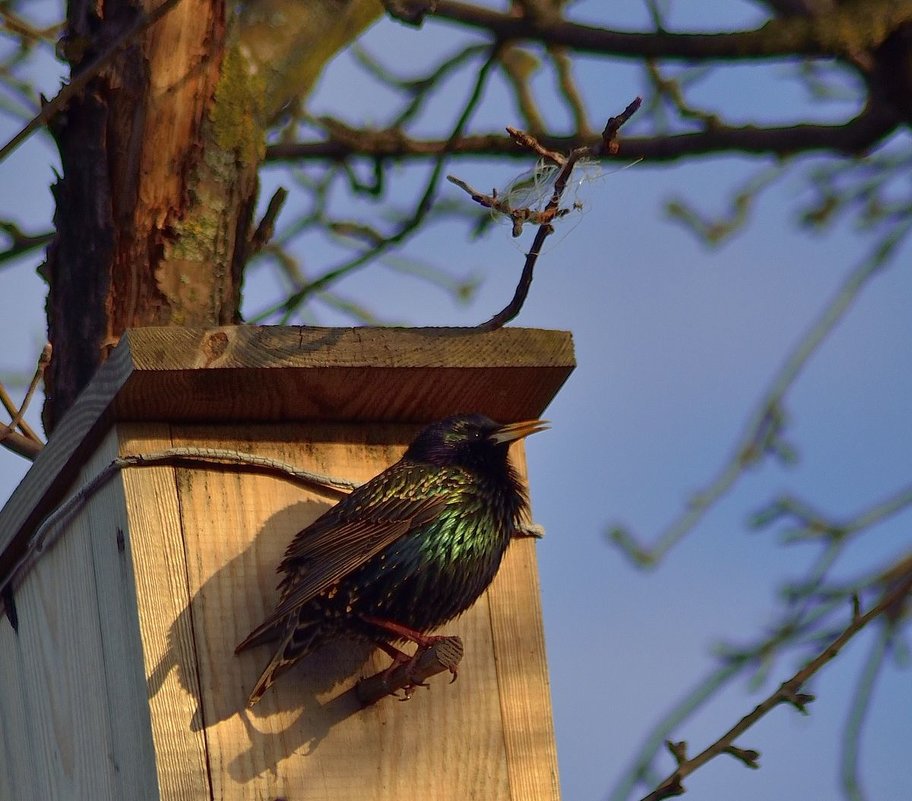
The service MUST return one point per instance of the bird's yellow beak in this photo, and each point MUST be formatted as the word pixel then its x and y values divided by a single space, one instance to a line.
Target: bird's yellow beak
pixel 514 431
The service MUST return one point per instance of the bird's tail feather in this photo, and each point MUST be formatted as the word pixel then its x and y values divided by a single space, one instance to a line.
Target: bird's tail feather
pixel 299 640
pixel 267 632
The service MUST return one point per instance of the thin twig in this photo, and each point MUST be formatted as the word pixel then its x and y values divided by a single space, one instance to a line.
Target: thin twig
pixel 613 127
pixel 692 701
pixel 17 422
pixel 21 242
pixel 531 143
pixel 266 228
pixel 420 89
pixel 671 90
pixel 22 446
pixel 12 410
pixel 813 524
pixel 788 692
pixel 607 145
pixel 6 432
pixel 501 204
pixel 518 66
pixel 858 709
pixel 18 26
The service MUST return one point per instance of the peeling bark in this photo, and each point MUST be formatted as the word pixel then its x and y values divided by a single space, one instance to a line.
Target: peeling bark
pixel 135 149
pixel 160 156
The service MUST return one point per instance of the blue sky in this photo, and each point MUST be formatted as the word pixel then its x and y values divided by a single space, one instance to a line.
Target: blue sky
pixel 675 343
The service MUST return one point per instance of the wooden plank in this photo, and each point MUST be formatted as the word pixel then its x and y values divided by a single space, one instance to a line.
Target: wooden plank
pixel 252 347
pixel 286 374
pixel 366 374
pixel 132 751
pixel 306 739
pixel 522 670
pixel 64 673
pixel 18 779
pixel 154 545
pixel 82 639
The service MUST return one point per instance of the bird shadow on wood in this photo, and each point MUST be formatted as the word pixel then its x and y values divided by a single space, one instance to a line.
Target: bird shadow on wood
pixel 320 687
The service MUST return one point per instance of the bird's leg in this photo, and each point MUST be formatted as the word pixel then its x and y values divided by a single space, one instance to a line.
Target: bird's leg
pixel 398 657
pixel 402 632
pixel 423 641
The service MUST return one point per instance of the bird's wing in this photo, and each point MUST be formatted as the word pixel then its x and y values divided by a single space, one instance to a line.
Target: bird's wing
pixel 340 541
pixel 323 554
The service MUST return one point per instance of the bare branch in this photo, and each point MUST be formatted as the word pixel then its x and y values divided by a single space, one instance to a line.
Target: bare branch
pixel 853 137
pixel 672 92
pixel 17 422
pixel 21 446
pixel 778 38
pixel 18 26
pixel 12 410
pixel 788 692
pixel 858 709
pixel 563 66
pixel 613 126
pixel 27 444
pixel 812 524
pixel 420 90
pixel 519 66
pixel 607 144
pixel 523 139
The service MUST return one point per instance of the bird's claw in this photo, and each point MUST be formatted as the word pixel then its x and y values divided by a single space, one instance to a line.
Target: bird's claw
pixel 409 689
pixel 399 660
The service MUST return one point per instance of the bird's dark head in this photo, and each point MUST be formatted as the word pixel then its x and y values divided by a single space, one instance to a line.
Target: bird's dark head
pixel 469 440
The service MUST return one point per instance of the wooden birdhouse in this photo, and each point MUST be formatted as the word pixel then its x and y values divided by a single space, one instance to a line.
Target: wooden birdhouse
pixel 142 546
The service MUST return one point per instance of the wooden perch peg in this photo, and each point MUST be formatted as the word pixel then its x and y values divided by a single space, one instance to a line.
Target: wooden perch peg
pixel 445 654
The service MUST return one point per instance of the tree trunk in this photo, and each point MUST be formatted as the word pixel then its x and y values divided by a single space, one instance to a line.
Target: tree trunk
pixel 160 156
pixel 152 210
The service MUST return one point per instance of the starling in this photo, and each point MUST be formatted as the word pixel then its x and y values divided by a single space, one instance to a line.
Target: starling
pixel 405 552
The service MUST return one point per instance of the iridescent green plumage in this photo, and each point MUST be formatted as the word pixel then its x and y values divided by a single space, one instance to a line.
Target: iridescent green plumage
pixel 413 547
